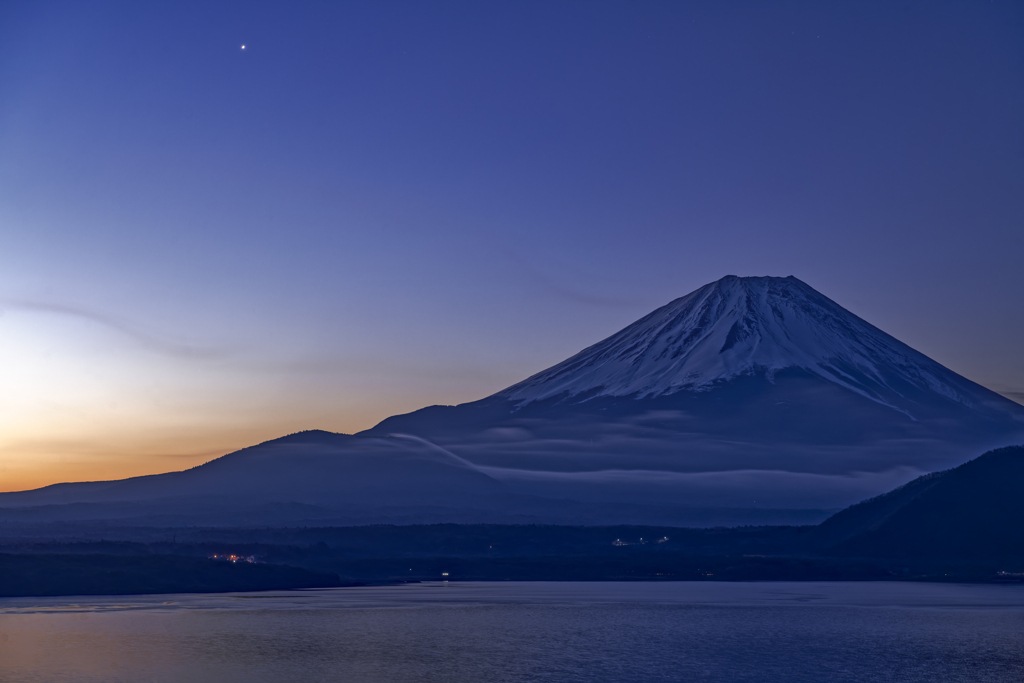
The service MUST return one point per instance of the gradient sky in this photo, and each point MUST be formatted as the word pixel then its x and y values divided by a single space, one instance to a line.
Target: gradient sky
pixel 377 206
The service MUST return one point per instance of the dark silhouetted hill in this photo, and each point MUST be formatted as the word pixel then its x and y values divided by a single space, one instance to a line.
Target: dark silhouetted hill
pixel 972 512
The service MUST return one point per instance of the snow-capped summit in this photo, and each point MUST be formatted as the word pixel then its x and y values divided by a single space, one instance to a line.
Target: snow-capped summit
pixel 741 326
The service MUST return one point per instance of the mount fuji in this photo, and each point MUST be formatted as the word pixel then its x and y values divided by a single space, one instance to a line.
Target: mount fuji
pixel 757 397
pixel 752 391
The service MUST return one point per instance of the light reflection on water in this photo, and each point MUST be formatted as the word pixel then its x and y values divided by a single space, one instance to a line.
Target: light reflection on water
pixel 462 632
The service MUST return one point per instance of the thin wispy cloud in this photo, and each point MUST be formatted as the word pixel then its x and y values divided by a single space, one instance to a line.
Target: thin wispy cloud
pixel 555 287
pixel 148 339
pixel 438 449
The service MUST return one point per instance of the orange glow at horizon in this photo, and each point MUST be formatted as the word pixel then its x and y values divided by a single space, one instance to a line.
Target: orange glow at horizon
pixel 31 461
pixel 85 402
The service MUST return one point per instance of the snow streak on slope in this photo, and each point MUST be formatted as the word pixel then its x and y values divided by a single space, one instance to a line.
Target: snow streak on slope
pixel 743 326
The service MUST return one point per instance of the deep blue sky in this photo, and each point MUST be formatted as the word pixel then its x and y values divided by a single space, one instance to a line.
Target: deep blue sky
pixel 377 205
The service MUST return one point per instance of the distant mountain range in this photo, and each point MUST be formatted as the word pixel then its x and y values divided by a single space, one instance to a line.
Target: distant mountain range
pixel 750 400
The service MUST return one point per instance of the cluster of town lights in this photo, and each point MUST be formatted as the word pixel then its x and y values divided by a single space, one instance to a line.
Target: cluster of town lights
pixel 235 558
pixel 619 541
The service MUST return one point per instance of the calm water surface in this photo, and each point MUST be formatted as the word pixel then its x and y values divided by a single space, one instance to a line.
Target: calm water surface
pixel 482 632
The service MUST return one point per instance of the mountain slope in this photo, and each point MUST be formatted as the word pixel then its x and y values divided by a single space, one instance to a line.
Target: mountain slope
pixel 313 467
pixel 749 394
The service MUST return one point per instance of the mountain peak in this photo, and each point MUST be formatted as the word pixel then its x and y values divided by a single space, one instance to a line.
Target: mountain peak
pixel 739 326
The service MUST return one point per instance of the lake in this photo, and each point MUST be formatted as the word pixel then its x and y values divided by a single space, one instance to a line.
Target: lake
pixel 518 631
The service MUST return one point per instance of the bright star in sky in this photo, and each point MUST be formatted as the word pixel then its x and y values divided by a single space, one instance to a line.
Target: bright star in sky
pixel 243 47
